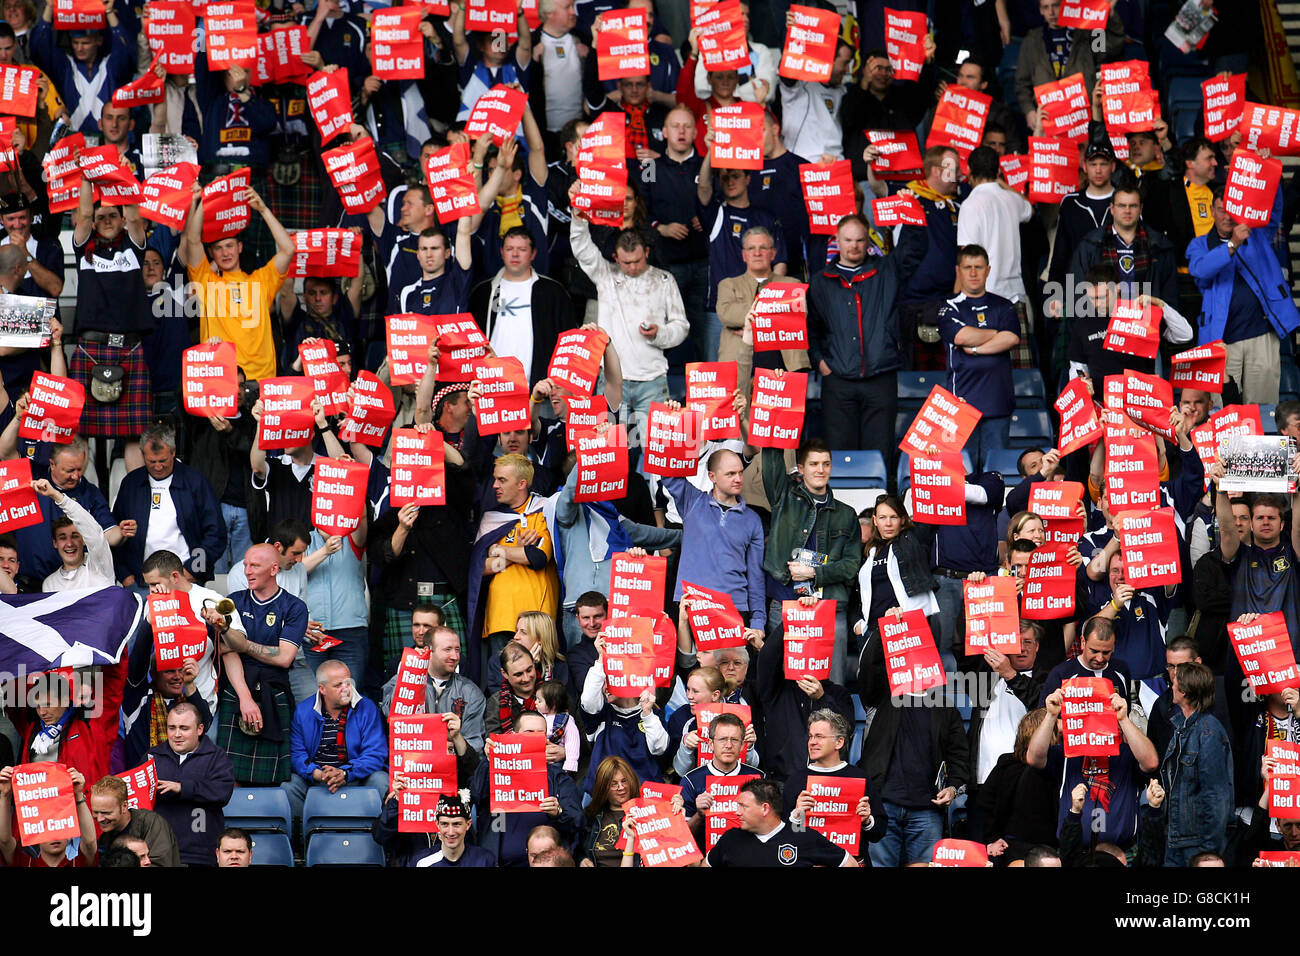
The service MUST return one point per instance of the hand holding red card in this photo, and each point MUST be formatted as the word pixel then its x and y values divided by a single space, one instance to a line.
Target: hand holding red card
pixel 412 679
pixel 710 388
pixel 992 616
pixel 809 639
pixel 338 500
pixel 287 419
pixel 737 136
pixel 18 505
pixel 418 474
pixel 1223 99
pixel 901 209
pixel 1079 423
pixel 1263 648
pixel 53 409
pixel 178 635
pixel 44 803
pixel 898 154
pixel 1065 108
pixel 498 111
pixel 1251 188
pixel 713 617
pixel 1134 329
pixel 517 773
pixel 672 446
pixel 810 39
pixel 1089 725
pixel 827 194
pixel 911 659
pixel 904 42
pixel 622 44
pixel 370 411
pixel 602 465
pixel 1049 585
pixel 501 395
pixel 1053 169
pixel 209 383
pixel 777 411
pixel 1150 543
pixel 938 488
pixel 330 102
pixel 943 421
pixel 1200 368
pixel 779 316
pixel 1283 779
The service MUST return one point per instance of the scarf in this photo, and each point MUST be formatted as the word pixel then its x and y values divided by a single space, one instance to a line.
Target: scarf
pixel 157 720
pixel 923 191
pixel 47 737
pixel 556 736
pixel 506 707
pixel 107 247
pixel 511 209
pixel 1141 252
pixel 637 136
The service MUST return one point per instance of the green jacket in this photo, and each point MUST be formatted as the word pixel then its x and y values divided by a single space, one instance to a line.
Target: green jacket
pixel 838 534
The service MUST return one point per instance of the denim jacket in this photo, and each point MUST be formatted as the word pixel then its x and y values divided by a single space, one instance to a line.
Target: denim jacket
pixel 1197 776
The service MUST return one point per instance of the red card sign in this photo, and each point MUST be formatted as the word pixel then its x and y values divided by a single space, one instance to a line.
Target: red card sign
pixel 737 136
pixel 338 495
pixel 622 45
pixel 939 488
pixel 353 168
pixel 662 836
pixel 1274 128
pixel 834 813
pixel 116 183
pixel 1084 14
pixel 145 90
pixel 326 253
pixel 604 143
pixel 370 413
pixel 710 388
pixel 810 39
pixel 1284 781
pixel 1134 329
pixel 287 418
pixel 584 415
pixel 1049 585
pixel 652 790
pixel 490 16
pixel 724 814
pixel 18 505
pixel 1150 543
pixel 1251 188
pixel 1057 503
pixel 225 211
pixel 499 111
pixel 809 639
pixel 1053 169
pixel 1149 399
pixel 449 177
pixel 780 317
pixel 1064 107
pixel 827 194
pixel 79 15
pixel 602 465
pixel 231 29
pixel 517 770
pixel 992 616
pixel 461 347
pixel 18 89
pixel 330 102
pixel 141 785
pixel 1132 479
pixel 952 852
pixel 722 36
pixel 911 659
pixel 43 802
pixel 1223 98
pixel 412 678
pixel 63 172
pixel 1278 858
pixel 1263 649
pixel 53 409
pixel 419 472
pixel 777 411
pixel 902 209
pixel 636 584
pixel 418 810
pixel 503 395
pixel 328 380
pixel 899 154
pixel 421 742
pixel 713 617
pixel 602 193
pixel 286 48
pixel 408 338
pixel 629 655
pixel 1134 112
pixel 178 635
pixel 1079 424
pixel 397 46
pixel 166 196
pixel 705 714
pixel 943 421
pixel 209 381
pixel 1200 368
pixel 673 444
pixel 1088 722
pixel 904 42
pixel 1015 170
pixel 575 363
pixel 170 31
pixel 959 120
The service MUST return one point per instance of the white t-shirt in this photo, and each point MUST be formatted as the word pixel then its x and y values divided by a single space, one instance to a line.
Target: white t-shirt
pixel 164 533
pixel 563 72
pixel 512 330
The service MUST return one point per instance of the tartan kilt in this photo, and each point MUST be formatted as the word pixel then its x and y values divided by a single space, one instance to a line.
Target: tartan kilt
pixel 397 625
pixel 128 416
pixel 256 761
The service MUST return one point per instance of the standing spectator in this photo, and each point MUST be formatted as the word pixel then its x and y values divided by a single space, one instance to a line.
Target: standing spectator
pixel 727 734
pixel 1093 660
pixel 620 726
pixel 87 77
pixel 443 285
pixel 881 102
pixel 813 109
pixel 561 55
pixel 484 59
pixel 322 314
pixel 44 256
pixel 81 543
pixel 237 124
pixel 77 852
pixel 896 570
pixel 1080 213
pixel 195 782
pixel 163 572
pixel 1184 208
pixel 776 189
pixel 1051 52
pixel 750 844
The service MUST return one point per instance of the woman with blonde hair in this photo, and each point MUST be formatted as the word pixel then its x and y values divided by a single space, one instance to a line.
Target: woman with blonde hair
pixel 705 685
pixel 535 632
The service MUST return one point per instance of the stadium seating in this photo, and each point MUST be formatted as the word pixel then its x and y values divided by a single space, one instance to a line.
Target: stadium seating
pixel 258 809
pixel 349 808
pixel 1029 388
pixel 914 388
pixel 1005 461
pixel 355 848
pixel 1030 428
pixel 859 469
pixel 271 849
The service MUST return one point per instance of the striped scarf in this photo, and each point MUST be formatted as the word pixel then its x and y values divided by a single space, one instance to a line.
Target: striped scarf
pixel 637 135
pixel 1141 252
pixel 157 720
pixel 511 209
pixel 508 709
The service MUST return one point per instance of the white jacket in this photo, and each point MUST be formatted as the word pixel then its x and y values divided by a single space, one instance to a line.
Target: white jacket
pixel 96 571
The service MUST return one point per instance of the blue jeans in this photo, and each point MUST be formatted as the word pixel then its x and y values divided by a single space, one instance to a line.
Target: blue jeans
pixel 909 838
pixel 950 614
pixel 637 398
pixel 238 539
pixel 712 335
pixel 572 633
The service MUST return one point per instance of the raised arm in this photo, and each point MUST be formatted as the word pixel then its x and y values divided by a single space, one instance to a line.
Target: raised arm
pixel 190 249
pixel 533 136
pixel 256 454
pixel 459 42
pixel 424 391
pixel 1229 539
pixel 524 43
pixel 83 217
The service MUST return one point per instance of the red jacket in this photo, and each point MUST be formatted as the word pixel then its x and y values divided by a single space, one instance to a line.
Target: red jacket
pixel 87 741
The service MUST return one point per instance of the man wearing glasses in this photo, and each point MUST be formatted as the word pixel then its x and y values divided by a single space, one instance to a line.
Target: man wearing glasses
pixel 727 732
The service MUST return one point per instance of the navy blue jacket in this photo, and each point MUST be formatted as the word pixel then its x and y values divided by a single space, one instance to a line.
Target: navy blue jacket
pixel 198 515
pixel 196 813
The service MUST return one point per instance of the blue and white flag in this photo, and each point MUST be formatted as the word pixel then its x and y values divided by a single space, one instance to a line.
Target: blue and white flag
pixel 41 632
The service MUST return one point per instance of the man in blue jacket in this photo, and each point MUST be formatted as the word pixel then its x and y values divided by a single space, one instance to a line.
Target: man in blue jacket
pixel 337 739
pixel 195 782
pixel 167 506
pixel 1246 300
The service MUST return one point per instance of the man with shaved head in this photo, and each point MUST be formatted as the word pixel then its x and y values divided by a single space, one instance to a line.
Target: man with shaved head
pixel 256 706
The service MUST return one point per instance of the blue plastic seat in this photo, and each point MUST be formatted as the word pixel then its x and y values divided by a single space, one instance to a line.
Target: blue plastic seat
pixel 258 809
pixel 859 469
pixel 271 849
pixel 1029 388
pixel 349 808
pixel 1030 428
pixel 1005 461
pixel 914 387
pixel 355 848
pixel 1268 418
pixel 1185 103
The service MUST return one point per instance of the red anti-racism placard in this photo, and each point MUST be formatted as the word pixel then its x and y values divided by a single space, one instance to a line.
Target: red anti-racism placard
pixel 665 641
pixel 421 742
pixel 809 639
pixel 330 102
pixel 604 143
pixel 62 172
pixel 412 677
pixel 1084 14
pixel 705 714
pixel 461 347
pixel 810 38
pixel 326 253
pixel 1223 98
pixel 777 410
pixel 338 495
pixel 636 584
pixel 672 448
pixel 724 814
pixel 209 380
pixel 287 418
pixel 408 337
pixel 1200 368
pixel 490 16
pixel 992 616
pixel 737 137
pixel 396 44
pixel 1284 781
pixel 713 617
pixel 938 488
pixel 1150 544
pixel 899 153
pixel 1088 722
pixel 502 395
pixel 517 771
pixel 1134 72
pixel 79 15
pixel 1251 188
pixel 1015 170
pixel 575 363
pixel 1049 585
pixel 353 169
pixel 144 91
pixel 53 409
pixel 662 836
pixel 1079 423
pixel 225 210
pixel 115 182
pixel 943 421
pixel 953 852
pixel 1128 110
pixel 178 635
pixel 1263 648
pixel 827 194
pixel 722 36
pixel 629 655
pixel 1283 858
pixel 141 785
pixel 653 790
pixel 1274 128
pixel 328 381
pixel 1148 400
pixel 905 42
pixel 231 29
pixel 1057 503
pixel 370 413
pixel 452 182
pixel 1134 329
pixel 418 476
pixel 584 415
pixel 284 56
pixel 710 388
pixel 959 119
pixel 602 192
pixel 901 209
pixel 1132 476
pixel 1064 107
pixel 499 111
pixel 418 810
pixel 166 196
pixel 18 89
pixel 834 813
pixel 18 505
pixel 1053 169
pixel 170 32
pixel 780 316
pixel 622 44
pixel 44 803
pixel 602 465
pixel 911 659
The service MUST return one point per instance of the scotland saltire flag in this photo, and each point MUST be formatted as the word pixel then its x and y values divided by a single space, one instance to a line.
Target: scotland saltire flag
pixel 41 632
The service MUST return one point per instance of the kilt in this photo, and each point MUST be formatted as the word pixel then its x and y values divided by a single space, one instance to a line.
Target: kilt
pixel 256 761
pixel 128 416
pixel 397 625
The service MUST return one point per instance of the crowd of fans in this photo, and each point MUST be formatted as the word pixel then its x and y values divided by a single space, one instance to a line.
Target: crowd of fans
pixel 506 585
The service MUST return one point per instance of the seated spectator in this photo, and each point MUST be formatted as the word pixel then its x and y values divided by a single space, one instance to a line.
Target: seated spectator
pixel 234 848
pixel 453 815
pixel 125 848
pixel 727 735
pixel 552 700
pixel 64 726
pixel 77 852
pixel 108 799
pixel 195 782
pixel 447 691
pixel 1018 802
pixel 516 693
